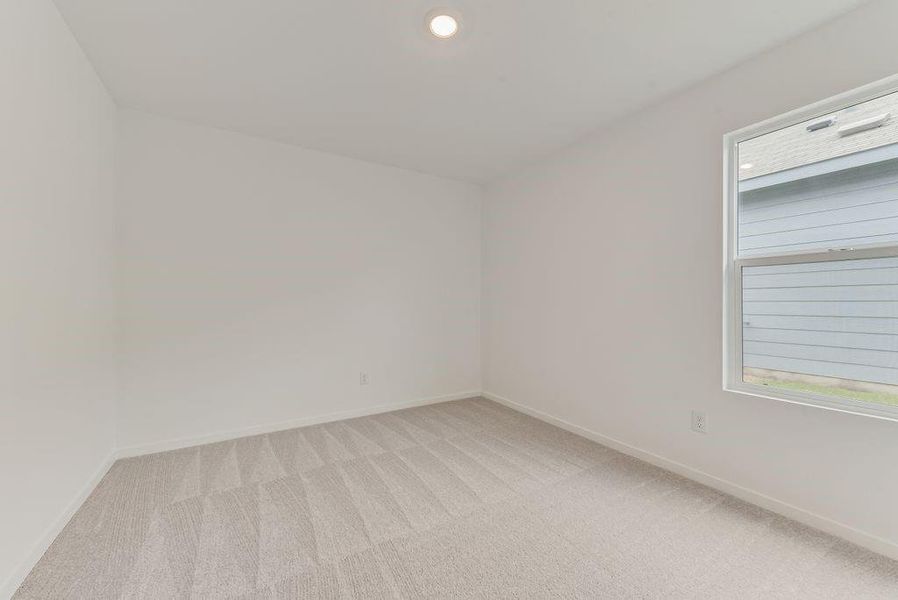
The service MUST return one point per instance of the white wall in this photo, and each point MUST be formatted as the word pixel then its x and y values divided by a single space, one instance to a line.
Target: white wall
pixel 257 280
pixel 57 295
pixel 260 279
pixel 602 288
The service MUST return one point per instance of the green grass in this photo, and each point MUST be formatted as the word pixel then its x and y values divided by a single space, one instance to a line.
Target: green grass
pixel 823 390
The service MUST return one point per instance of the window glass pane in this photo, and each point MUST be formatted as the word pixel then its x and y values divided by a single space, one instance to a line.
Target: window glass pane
pixel 828 328
pixel 829 182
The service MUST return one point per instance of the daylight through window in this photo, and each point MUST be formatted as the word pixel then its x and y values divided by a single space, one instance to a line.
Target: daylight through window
pixel 812 272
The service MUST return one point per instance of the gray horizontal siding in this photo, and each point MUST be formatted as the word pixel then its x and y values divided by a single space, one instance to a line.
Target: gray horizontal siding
pixel 836 191
pixel 828 354
pixel 830 339
pixel 824 293
pixel 852 233
pixel 824 324
pixel 812 308
pixel 845 277
pixel 834 319
pixel 854 214
pixel 853 207
pixel 844 265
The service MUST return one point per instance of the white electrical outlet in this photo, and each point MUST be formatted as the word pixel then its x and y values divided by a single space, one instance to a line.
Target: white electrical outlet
pixel 699 422
pixel 363 379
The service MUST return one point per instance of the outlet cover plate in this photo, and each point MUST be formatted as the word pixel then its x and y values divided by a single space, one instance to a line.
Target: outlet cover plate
pixel 699 422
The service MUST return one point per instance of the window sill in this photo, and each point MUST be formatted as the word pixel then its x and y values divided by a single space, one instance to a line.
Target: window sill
pixel 853 407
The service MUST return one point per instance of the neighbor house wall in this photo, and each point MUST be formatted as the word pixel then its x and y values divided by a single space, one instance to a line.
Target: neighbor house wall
pixel 57 304
pixel 832 319
pixel 603 290
pixel 259 280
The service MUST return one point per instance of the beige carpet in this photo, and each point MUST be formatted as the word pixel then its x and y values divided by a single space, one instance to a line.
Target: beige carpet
pixel 463 499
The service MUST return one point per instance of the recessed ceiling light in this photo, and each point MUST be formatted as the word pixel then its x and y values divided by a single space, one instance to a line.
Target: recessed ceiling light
pixel 746 166
pixel 443 26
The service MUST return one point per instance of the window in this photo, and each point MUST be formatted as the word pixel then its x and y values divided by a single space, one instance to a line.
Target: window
pixel 811 255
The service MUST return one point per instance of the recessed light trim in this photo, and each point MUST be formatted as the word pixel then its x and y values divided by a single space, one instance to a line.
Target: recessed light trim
pixel 442 25
pixel 746 166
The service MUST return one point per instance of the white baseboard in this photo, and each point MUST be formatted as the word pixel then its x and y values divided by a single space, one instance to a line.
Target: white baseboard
pixel 12 583
pixel 187 442
pixel 846 532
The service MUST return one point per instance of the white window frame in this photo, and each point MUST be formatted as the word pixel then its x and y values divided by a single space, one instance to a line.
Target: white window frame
pixel 732 293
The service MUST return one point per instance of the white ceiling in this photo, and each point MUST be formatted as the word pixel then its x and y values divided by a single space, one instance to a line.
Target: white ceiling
pixel 361 78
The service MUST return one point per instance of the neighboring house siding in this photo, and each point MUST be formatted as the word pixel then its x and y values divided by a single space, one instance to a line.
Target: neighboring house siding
pixel 833 319
pixel 838 320
pixel 852 207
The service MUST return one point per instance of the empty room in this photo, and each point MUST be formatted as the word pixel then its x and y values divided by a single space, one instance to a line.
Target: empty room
pixel 371 299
